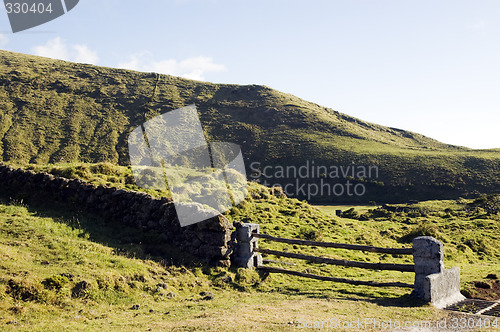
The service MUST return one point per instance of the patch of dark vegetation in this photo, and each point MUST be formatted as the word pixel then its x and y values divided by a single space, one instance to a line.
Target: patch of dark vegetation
pixel 489 204
pixel 309 233
pixel 81 289
pixel 55 282
pixel 25 290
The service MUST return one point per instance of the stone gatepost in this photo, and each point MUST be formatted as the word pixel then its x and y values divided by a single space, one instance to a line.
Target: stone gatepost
pixel 433 283
pixel 428 258
pixel 244 255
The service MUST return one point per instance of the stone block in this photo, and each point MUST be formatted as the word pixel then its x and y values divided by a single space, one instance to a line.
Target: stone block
pixel 244 233
pixel 443 289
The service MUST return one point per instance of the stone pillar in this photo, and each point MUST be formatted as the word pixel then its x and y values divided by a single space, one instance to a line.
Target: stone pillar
pixel 428 259
pixel 245 244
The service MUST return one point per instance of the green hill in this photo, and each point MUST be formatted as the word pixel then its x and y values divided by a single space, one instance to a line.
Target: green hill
pixel 63 270
pixel 54 111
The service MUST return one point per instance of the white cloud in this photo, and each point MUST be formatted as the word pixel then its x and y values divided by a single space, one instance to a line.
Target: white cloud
pixel 193 68
pixel 57 49
pixel 54 48
pixel 85 54
pixel 3 40
pixel 477 26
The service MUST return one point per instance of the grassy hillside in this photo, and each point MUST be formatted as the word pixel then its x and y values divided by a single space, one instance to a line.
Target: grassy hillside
pixel 469 228
pixel 62 270
pixel 66 271
pixel 58 112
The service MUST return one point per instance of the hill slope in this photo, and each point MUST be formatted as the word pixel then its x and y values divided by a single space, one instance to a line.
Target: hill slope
pixel 54 111
pixel 65 270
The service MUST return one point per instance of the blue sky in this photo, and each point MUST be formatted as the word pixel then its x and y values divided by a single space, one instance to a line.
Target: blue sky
pixel 432 67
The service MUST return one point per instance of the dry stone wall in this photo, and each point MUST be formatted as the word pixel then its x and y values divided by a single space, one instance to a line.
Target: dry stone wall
pixel 208 240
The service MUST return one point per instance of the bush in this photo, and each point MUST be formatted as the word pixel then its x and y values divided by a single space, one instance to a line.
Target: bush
pixel 381 213
pixel 478 245
pixel 80 290
pixel 55 282
pixel 311 234
pixel 351 213
pixel 25 290
pixel 489 203
pixel 104 168
pixel 422 229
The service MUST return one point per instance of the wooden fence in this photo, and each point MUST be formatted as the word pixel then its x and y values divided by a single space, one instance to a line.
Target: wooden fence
pixel 331 261
pixel 432 282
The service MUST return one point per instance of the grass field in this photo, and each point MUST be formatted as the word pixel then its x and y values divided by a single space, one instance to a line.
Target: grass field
pixel 330 209
pixel 37 247
pixel 41 242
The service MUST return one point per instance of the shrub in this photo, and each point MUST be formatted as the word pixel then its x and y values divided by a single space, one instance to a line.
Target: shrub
pixel 478 245
pixel 104 168
pixel 80 290
pixel 381 213
pixel 351 213
pixel 55 282
pixel 489 203
pixel 422 229
pixel 25 290
pixel 311 234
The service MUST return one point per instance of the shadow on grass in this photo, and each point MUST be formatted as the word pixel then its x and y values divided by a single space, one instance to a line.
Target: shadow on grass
pixel 380 296
pixel 125 240
pixel 135 243
pixel 403 301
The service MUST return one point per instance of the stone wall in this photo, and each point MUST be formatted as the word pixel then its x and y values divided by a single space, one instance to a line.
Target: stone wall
pixel 207 240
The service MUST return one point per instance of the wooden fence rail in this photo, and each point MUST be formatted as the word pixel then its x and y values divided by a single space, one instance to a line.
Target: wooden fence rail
pixel 273 269
pixel 393 251
pixel 341 262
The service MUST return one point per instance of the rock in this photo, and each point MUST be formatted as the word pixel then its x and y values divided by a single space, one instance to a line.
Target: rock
pixel 207 295
pixel 216 239
pixel 118 192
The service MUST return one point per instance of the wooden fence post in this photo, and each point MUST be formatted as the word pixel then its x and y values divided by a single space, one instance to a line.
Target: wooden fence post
pixel 244 255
